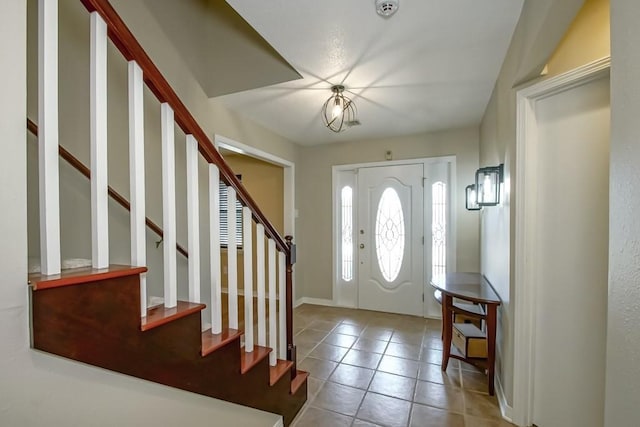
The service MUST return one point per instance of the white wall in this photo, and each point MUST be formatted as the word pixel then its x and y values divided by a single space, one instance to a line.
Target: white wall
pixel 37 389
pixel 313 195
pixel 623 334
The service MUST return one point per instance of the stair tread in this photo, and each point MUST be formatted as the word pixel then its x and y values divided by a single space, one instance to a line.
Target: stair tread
pixel 276 372
pixel 212 342
pixel 78 276
pixel 249 360
pixel 160 315
pixel 297 382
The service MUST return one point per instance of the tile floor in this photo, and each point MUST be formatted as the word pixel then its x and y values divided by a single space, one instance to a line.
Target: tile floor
pixel 378 369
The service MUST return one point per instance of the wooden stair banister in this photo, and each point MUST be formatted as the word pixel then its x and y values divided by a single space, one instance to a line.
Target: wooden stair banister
pixel 130 48
pixel 117 197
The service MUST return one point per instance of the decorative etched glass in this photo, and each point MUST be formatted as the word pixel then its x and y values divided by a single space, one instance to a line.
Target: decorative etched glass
pixel 390 234
pixel 439 228
pixel 347 233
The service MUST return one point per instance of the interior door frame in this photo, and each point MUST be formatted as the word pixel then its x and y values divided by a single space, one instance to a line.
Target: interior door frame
pixel 526 188
pixel 451 241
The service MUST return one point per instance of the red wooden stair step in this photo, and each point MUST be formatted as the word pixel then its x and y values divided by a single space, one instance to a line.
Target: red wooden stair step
pixel 212 342
pixel 160 315
pixel 249 360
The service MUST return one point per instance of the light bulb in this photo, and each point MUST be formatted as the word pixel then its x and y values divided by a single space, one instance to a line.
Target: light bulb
pixel 337 110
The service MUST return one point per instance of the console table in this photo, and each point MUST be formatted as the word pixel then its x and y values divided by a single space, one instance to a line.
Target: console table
pixel 474 288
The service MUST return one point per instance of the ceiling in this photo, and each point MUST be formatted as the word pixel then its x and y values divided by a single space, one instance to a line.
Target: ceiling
pixel 431 66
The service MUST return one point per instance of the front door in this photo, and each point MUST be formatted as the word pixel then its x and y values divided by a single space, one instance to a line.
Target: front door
pixel 390 239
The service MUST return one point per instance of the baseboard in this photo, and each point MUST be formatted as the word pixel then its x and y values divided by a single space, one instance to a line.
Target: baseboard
pixel 280 423
pixel 314 301
pixel 505 409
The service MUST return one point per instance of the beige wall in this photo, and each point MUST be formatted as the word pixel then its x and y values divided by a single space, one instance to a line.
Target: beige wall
pixel 542 25
pixel 314 198
pixel 587 39
pixel 623 335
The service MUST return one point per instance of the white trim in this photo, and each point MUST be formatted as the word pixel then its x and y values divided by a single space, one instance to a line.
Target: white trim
pixel 99 169
pixel 525 227
pixel 279 423
pixel 314 301
pixel 48 136
pixel 505 409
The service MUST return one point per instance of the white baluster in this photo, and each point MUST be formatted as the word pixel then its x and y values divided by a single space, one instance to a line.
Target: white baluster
pixel 137 175
pixel 232 258
pixel 214 244
pixel 99 183
pixel 169 206
pixel 48 137
pixel 273 334
pixel 282 304
pixel 247 247
pixel 262 321
pixel 193 219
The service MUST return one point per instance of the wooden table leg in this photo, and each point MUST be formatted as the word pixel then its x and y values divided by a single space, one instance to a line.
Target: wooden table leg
pixel 447 325
pixel 491 345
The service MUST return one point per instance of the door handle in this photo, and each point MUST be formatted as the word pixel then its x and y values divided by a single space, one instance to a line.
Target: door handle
pixel 361 245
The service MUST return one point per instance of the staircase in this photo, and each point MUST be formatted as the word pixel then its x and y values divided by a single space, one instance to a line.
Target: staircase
pixel 99 315
pixel 92 316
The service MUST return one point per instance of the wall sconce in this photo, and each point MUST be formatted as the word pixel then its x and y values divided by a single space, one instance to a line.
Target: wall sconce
pixel 471 198
pixel 488 180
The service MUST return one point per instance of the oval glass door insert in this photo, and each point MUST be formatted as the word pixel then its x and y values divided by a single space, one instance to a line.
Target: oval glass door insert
pixel 390 230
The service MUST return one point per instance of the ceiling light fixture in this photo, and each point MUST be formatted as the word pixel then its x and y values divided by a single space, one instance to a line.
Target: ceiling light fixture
pixel 339 112
pixel 386 8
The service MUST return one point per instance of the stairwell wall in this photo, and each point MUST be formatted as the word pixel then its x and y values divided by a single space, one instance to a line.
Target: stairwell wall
pixel 38 389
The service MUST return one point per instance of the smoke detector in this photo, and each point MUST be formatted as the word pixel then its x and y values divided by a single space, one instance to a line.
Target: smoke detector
pixel 386 8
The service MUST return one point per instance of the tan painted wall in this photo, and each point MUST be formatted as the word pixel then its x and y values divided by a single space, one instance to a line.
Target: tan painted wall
pixel 314 199
pixel 587 39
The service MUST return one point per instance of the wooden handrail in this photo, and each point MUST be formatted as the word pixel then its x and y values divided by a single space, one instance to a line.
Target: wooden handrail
pixel 80 167
pixel 127 44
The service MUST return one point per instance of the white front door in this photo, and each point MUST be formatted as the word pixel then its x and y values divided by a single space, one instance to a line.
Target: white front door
pixel 389 238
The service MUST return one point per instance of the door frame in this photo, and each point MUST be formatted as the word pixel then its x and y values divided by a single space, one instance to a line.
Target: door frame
pixel 451 242
pixel 525 246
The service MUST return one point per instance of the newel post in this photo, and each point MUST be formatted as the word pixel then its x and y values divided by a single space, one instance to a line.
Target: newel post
pixel 291 348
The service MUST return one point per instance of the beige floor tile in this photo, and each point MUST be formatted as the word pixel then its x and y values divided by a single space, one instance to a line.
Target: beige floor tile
pixel 317 368
pixel 338 398
pixel 434 374
pixel 440 396
pixel 341 340
pixel 480 422
pixel 316 417
pixel 434 343
pixel 363 359
pixel 353 376
pixel 328 352
pixel 427 416
pixel 323 325
pixel 406 351
pixel 384 410
pixel 430 355
pixel 481 405
pixel 377 333
pixel 371 345
pixel 414 338
pixel 310 336
pixel 474 381
pixel 399 366
pixel 313 387
pixel 361 423
pixel 349 329
pixel 393 385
